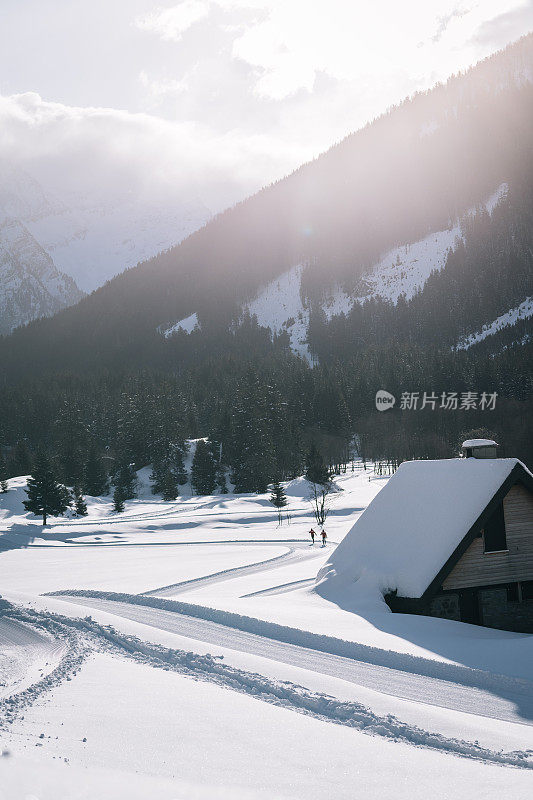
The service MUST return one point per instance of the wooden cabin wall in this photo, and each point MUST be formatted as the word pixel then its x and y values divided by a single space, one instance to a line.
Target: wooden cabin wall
pixel 476 568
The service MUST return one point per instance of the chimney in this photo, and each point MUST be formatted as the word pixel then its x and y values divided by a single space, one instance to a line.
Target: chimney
pixel 479 448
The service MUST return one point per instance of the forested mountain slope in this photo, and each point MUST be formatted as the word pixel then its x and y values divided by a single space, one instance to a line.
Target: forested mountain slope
pixel 416 169
pixel 376 262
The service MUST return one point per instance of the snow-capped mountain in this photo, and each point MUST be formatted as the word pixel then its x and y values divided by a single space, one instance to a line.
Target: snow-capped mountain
pixel 50 247
pixel 426 209
pixel 31 286
pixel 95 238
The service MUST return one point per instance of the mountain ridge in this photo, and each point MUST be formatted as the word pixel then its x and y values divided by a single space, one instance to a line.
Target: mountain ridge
pixel 359 223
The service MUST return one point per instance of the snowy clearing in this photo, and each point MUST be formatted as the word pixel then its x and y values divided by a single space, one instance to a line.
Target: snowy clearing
pixel 191 633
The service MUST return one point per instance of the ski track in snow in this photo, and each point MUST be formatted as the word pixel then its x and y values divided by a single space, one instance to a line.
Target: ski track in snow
pixel 85 635
pixel 171 511
pixel 301 553
pixel 414 678
pixel 61 645
pixel 26 655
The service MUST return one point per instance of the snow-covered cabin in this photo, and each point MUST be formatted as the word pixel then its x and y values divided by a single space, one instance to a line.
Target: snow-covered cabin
pixel 450 538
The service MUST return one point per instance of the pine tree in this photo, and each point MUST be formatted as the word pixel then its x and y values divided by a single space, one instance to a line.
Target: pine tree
pixel 66 496
pixel 71 437
pixel 169 488
pixel 203 471
pixel 252 452
pixel 221 479
pixel 177 464
pixel 79 502
pixel 45 495
pixel 118 500
pixel 95 481
pixel 20 462
pixel 3 476
pixel 126 480
pixel 316 469
pixel 167 458
pixel 278 498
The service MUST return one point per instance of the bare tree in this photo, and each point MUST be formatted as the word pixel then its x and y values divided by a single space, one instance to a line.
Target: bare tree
pixel 319 501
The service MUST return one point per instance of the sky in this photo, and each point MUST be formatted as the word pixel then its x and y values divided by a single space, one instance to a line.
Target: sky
pixel 219 97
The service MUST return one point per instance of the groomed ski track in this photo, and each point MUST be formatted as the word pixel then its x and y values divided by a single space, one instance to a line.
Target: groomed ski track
pixel 422 680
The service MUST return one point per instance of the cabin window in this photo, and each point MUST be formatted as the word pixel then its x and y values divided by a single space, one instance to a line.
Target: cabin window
pixel 494 532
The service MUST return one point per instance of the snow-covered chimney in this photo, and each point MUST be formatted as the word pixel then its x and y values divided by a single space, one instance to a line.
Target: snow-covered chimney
pixel 479 448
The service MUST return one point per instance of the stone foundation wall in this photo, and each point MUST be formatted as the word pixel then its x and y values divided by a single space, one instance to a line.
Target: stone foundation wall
pixel 498 612
pixel 445 606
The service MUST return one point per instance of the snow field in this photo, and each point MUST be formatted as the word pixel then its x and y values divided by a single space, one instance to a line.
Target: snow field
pixel 497 719
pixel 132 568
pixel 288 755
pixel 214 670
pixel 211 594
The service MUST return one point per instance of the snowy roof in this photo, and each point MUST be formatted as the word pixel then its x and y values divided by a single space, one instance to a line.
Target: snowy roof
pixel 414 524
pixel 479 443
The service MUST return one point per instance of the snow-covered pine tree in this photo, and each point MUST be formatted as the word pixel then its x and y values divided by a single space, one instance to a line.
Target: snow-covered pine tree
pixel 167 457
pixel 203 471
pixel 178 450
pixel 157 475
pixel 118 500
pixel 278 498
pixel 285 435
pixel 126 479
pixel 95 482
pixel 133 417
pixel 252 451
pixel 3 475
pixel 316 470
pixel 221 479
pixel 46 495
pixel 66 495
pixel 169 486
pixel 79 502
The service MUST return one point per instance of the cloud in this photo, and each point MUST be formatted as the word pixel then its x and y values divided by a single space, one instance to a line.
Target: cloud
pixel 506 26
pixel 364 41
pixel 162 88
pixel 222 96
pixel 102 150
pixel 171 23
pixel 287 43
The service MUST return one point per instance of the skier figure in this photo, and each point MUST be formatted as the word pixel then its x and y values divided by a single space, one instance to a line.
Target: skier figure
pixel 312 533
pixel 324 537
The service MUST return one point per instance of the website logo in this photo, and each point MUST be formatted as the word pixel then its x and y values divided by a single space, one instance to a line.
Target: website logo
pixel 384 400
